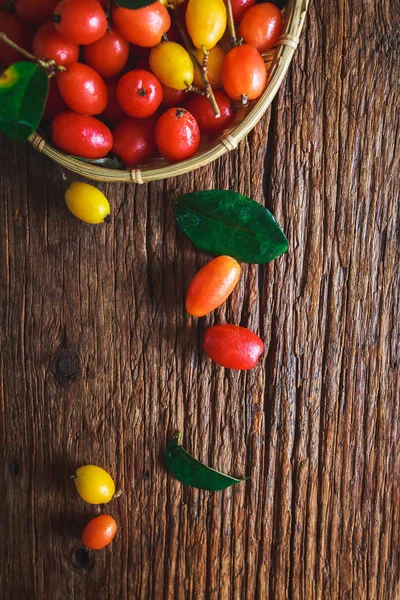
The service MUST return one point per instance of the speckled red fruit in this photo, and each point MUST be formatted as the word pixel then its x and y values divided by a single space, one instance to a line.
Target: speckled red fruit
pixel 34 12
pixel 82 89
pixel 18 32
pixel 262 26
pixel 173 97
pixel 201 109
pixel 81 135
pixel 113 112
pixel 232 346
pixel 239 8
pixel 139 93
pixel 55 104
pixel 142 26
pixel 177 135
pixel 48 44
pixel 244 73
pixel 134 140
pixel 109 55
pixel 81 22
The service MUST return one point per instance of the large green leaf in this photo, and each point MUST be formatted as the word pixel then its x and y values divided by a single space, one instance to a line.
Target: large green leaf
pixel 224 222
pixel 23 93
pixel 134 3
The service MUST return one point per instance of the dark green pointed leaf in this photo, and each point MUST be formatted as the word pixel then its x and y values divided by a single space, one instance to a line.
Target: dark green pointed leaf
pixel 108 163
pixel 23 94
pixel 192 472
pixel 224 222
pixel 134 3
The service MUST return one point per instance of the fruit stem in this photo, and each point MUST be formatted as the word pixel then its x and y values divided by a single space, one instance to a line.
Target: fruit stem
pixel 196 90
pixel 206 54
pixel 231 24
pixel 49 65
pixel 118 494
pixel 13 45
pixel 197 64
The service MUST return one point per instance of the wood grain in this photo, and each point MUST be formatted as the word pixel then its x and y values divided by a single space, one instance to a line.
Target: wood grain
pixel 100 363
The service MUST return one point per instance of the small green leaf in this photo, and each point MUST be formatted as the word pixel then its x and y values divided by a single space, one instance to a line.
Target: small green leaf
pixel 108 163
pixel 134 3
pixel 23 94
pixel 192 472
pixel 224 222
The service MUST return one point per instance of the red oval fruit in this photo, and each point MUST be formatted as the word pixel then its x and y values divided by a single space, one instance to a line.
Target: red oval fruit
pixel 113 112
pixel 81 135
pixel 81 22
pixel 142 26
pixel 173 97
pixel 139 93
pixel 233 347
pixel 262 26
pixel 109 55
pixel 99 532
pixel 134 140
pixel 212 285
pixel 200 108
pixel 239 8
pixel 55 104
pixel 244 73
pixel 82 89
pixel 34 12
pixel 177 135
pixel 48 44
pixel 18 32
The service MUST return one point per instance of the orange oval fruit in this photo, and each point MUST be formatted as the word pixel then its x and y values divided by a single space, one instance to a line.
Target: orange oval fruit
pixel 212 285
pixel 99 532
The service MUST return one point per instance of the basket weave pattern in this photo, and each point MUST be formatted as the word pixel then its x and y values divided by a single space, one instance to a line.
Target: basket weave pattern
pixel 246 119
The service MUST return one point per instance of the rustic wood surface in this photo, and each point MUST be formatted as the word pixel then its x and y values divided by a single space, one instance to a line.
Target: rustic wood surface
pixel 100 363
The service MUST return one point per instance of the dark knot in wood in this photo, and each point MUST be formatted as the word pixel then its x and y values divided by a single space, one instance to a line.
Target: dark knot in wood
pixel 66 367
pixel 15 468
pixel 81 559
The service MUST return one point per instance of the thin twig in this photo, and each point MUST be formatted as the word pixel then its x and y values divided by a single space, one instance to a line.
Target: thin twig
pixel 49 65
pixel 196 90
pixel 231 24
pixel 206 55
pixel 13 45
pixel 197 64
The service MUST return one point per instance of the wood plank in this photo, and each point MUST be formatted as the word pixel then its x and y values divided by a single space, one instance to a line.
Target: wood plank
pixel 100 363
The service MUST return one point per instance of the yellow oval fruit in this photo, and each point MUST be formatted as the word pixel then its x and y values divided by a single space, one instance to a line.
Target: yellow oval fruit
pixel 87 203
pixel 94 484
pixel 214 67
pixel 206 22
pixel 172 65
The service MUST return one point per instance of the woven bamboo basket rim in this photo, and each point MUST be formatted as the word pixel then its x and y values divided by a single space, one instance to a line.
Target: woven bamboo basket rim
pixel 295 13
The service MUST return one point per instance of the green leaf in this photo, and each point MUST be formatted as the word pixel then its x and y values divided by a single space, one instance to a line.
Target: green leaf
pixel 192 472
pixel 224 222
pixel 108 163
pixel 134 3
pixel 23 93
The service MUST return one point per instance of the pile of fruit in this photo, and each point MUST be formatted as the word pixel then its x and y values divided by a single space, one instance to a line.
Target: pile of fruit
pixel 136 83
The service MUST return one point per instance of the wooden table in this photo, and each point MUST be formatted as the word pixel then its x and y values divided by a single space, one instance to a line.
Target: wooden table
pixel 100 364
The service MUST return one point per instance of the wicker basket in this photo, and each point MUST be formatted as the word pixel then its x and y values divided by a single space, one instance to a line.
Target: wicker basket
pixel 246 119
